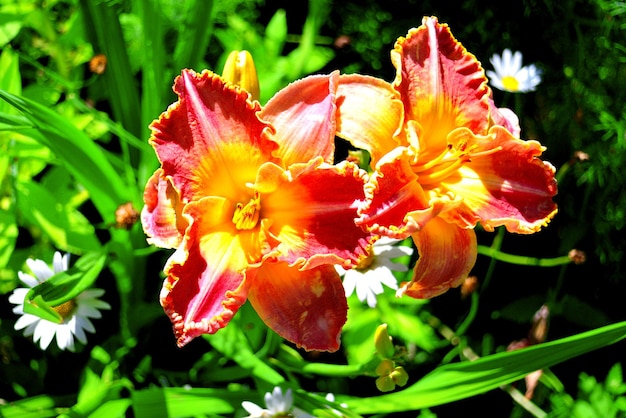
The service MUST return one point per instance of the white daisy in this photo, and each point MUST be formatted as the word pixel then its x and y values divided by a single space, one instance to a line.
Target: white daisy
pixel 510 75
pixel 75 312
pixel 278 405
pixel 375 270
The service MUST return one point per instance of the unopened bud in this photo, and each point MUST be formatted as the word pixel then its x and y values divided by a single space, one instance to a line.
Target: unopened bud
pixel 240 70
pixel 577 256
pixel 382 342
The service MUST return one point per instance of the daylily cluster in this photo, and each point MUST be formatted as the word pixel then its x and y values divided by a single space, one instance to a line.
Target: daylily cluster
pixel 256 208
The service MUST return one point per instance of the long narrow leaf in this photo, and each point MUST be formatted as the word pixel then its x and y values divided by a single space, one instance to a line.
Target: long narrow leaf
pixel 463 380
pixel 81 156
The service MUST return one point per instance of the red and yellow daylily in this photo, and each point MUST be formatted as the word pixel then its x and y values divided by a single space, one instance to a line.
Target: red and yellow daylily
pixel 445 158
pixel 248 197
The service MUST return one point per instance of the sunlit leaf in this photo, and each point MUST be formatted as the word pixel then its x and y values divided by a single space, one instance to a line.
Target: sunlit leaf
pixel 452 382
pixel 64 286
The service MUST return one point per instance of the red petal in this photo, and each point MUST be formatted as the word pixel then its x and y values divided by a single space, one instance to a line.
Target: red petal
pixel 161 216
pixel 205 276
pixel 511 187
pixel 441 84
pixel 211 141
pixel 308 307
pixel 447 255
pixel 312 212
pixel 396 203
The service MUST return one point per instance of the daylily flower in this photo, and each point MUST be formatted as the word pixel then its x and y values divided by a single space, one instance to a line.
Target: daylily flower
pixel 255 210
pixel 445 158
pixel 75 312
pixel 376 269
pixel 510 75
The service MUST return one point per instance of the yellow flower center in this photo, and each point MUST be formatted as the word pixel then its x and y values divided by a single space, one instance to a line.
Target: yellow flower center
pixel 246 215
pixel 66 309
pixel 448 162
pixel 510 83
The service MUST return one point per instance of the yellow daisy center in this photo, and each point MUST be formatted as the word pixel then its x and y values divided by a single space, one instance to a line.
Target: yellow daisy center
pixel 246 215
pixel 510 83
pixel 66 309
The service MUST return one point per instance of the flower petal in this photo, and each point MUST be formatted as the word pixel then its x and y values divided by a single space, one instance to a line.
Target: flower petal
pixel 510 187
pixel 442 85
pixel 161 217
pixel 447 255
pixel 396 203
pixel 308 207
pixel 307 307
pixel 369 114
pixel 205 276
pixel 211 141
pixel 303 114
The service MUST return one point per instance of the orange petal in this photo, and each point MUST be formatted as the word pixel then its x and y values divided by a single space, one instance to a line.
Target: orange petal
pixel 447 254
pixel 211 141
pixel 441 84
pixel 369 114
pixel 396 203
pixel 312 208
pixel 303 114
pixel 161 217
pixel 205 276
pixel 510 187
pixel 308 307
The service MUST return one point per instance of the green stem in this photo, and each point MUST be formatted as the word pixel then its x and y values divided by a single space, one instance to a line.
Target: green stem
pixel 496 254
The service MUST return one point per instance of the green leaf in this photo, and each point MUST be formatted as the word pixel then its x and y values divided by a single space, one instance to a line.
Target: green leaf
pixel 185 402
pixel 452 382
pixel 232 342
pixel 66 227
pixel 82 157
pixel 8 234
pixel 64 286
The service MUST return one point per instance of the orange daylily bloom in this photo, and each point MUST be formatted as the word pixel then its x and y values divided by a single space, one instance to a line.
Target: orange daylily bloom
pixel 445 158
pixel 255 210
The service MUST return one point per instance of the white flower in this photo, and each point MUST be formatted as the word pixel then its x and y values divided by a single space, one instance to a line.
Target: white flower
pixel 375 270
pixel 509 74
pixel 278 405
pixel 75 312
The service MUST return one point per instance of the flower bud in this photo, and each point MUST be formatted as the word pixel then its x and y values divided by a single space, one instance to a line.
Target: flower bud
pixel 399 376
pixel 382 342
pixel 385 383
pixel 240 70
pixel 385 368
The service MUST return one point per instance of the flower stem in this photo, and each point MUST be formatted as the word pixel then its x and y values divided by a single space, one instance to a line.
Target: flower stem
pixel 496 254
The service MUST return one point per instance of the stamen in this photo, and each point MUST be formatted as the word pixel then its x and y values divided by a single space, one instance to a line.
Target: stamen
pixel 449 161
pixel 246 216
